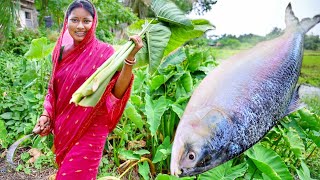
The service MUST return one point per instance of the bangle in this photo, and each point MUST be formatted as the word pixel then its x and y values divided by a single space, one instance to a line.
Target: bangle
pixel 130 62
pixel 45 116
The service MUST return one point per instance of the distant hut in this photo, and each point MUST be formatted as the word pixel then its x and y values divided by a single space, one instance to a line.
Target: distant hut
pixel 28 14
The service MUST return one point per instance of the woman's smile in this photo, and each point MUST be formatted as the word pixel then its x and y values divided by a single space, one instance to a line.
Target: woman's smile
pixel 81 33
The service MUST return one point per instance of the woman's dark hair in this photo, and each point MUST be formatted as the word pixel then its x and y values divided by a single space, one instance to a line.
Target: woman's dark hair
pixel 86 4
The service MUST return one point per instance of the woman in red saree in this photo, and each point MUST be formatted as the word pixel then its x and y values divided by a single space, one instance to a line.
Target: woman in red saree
pixel 80 132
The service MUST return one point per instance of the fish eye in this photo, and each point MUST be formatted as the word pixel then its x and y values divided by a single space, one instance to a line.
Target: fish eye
pixel 191 155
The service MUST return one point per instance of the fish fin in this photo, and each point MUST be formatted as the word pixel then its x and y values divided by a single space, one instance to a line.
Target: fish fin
pixel 292 22
pixel 295 103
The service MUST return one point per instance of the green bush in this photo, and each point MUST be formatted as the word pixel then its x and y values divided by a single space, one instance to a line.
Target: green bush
pixel 18 41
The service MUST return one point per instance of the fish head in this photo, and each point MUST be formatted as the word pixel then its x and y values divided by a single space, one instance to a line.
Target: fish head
pixel 201 144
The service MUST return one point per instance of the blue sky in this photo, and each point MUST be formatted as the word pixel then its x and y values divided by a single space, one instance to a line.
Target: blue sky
pixel 257 16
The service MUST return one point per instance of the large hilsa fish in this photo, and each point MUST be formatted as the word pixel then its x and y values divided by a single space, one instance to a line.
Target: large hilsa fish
pixel 240 101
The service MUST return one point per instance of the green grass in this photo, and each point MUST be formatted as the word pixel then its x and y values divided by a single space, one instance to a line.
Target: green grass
pixel 223 54
pixel 310 72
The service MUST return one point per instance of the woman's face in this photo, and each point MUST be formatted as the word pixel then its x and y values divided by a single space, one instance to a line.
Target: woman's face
pixel 79 23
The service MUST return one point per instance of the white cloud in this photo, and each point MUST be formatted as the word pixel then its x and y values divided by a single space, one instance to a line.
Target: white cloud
pixel 257 16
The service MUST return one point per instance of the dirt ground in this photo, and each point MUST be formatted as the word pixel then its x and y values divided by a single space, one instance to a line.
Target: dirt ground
pixel 7 173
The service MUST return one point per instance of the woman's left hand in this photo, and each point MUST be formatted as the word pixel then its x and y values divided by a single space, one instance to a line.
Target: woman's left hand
pixel 138 45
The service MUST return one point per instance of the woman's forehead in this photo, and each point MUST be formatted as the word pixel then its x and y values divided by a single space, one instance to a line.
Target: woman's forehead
pixel 80 13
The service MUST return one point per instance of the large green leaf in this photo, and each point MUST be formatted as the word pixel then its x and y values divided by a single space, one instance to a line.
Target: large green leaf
pixel 225 172
pixel 158 80
pixel 180 35
pixel 309 120
pixel 167 11
pixel 154 111
pixel 174 58
pixel 187 82
pixel 39 49
pixel 195 60
pixel 144 170
pixel 128 154
pixel 269 162
pixel 177 109
pixel 157 40
pixel 163 151
pixel 139 80
pixel 295 143
pixel 132 113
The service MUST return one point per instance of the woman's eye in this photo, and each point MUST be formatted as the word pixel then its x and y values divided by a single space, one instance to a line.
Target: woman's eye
pixel 87 21
pixel 74 20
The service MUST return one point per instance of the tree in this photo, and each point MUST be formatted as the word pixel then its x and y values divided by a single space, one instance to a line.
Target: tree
pixel 9 11
pixel 54 8
pixel 312 42
pixel 201 6
pixel 113 18
pixel 142 7
pixel 274 33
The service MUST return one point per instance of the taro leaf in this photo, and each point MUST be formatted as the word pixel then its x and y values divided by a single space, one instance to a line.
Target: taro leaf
pixel 39 49
pixel 136 100
pixel 158 80
pixel 195 60
pixel 167 11
pixel 3 135
pixel 154 111
pixel 142 56
pixel 180 35
pixel 180 91
pixel 269 162
pixel 309 120
pixel 170 177
pixel 294 124
pixel 187 82
pixel 202 25
pixel 144 170
pixel 128 154
pixel 157 40
pixel 304 172
pixel 131 113
pixel 163 151
pixel 139 80
pixel 177 109
pixel 174 58
pixel 225 172
pixel 294 142
pixel 252 171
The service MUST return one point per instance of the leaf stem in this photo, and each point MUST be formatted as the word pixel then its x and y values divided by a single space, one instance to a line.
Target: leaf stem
pixel 152 168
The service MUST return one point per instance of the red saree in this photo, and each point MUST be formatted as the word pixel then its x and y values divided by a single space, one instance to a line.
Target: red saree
pixel 80 132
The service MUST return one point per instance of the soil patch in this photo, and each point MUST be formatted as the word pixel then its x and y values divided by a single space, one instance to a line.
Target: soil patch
pixel 7 173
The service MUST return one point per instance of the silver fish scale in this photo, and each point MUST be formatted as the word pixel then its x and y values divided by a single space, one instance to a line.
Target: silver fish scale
pixel 268 102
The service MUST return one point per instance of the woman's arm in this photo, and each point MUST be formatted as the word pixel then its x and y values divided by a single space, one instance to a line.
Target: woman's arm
pixel 126 73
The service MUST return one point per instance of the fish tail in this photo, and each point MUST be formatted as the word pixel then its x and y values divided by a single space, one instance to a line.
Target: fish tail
pixel 292 22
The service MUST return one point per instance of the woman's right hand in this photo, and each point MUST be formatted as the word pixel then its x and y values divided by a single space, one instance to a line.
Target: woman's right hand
pixel 43 125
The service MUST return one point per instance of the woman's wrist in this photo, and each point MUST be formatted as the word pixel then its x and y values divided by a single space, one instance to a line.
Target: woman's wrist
pixel 45 116
pixel 130 62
